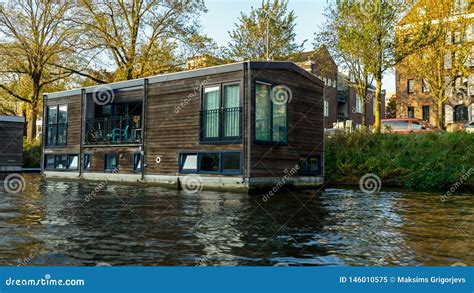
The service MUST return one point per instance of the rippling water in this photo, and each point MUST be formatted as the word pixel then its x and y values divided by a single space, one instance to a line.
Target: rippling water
pixel 51 223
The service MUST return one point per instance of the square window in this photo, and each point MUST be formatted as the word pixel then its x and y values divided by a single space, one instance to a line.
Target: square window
pixel 231 162
pixel 209 162
pixel 111 162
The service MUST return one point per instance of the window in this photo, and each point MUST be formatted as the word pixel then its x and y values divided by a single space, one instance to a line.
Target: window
pixel 457 37
pixel 61 162
pixel 220 115
pixel 411 86
pixel 271 121
pixel 310 165
pixel 111 162
pixel 426 86
pixel 87 162
pixel 326 108
pixel 358 107
pixel 411 112
pixel 461 113
pixel 56 127
pixel 211 163
pixel 426 113
pixel 137 162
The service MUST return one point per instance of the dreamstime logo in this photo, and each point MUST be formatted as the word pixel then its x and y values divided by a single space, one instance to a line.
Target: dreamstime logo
pixel 192 184
pixel 460 96
pixel 288 174
pixel 457 184
pixel 281 95
pixel 193 95
pixel 103 95
pixel 370 183
pixel 14 183
pixel 369 7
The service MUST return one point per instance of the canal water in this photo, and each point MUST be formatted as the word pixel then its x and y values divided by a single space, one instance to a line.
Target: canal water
pixel 84 223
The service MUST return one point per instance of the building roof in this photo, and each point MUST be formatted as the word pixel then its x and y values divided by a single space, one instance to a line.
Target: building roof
pixel 19 119
pixel 258 65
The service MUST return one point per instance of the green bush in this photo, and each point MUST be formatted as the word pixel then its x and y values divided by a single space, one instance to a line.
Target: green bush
pixel 31 154
pixel 417 161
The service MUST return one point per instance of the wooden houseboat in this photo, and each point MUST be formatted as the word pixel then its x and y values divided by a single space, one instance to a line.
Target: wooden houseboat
pixel 239 126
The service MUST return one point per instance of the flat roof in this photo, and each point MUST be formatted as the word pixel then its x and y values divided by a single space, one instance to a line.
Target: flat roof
pixel 259 65
pixel 19 119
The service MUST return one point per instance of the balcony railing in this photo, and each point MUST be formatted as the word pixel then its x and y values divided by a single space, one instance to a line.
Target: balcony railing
pixel 116 130
pixel 221 124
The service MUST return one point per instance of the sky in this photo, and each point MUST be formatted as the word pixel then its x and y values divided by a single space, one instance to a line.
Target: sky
pixel 223 14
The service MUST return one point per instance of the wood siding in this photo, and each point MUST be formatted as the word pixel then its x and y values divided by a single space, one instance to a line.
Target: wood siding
pixel 305 125
pixel 11 143
pixel 173 121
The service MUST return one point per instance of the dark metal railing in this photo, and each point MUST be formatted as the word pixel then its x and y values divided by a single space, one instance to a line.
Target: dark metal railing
pixel 114 130
pixel 221 124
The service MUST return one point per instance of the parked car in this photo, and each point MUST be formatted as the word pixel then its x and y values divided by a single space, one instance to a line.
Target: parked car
pixel 406 125
pixel 469 127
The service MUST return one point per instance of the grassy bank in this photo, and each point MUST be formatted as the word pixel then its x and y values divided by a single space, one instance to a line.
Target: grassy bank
pixel 418 161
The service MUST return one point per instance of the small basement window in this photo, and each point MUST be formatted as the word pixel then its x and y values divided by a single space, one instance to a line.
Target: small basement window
pixel 211 163
pixel 87 161
pixel 111 162
pixel 61 162
pixel 310 165
pixel 137 162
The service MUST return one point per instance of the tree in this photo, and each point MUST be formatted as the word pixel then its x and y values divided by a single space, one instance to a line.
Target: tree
pixel 446 58
pixel 266 33
pixel 344 35
pixel 33 35
pixel 391 111
pixel 140 36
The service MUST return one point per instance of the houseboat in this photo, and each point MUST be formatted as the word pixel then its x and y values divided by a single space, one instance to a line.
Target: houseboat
pixel 11 143
pixel 240 126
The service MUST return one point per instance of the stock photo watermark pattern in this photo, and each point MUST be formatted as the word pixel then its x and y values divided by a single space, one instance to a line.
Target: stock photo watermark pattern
pixel 14 183
pixel 370 183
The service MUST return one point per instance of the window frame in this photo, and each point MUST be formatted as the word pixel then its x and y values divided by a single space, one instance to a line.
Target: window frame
pixel 221 171
pixel 84 167
pixel 408 86
pixel 254 98
pixel 221 139
pixel 55 160
pixel 106 168
pixel 137 168
pixel 412 111
pixel 423 108
pixel 56 126
pixel 318 172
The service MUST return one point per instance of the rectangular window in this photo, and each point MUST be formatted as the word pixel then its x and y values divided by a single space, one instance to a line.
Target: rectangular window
pixel 87 162
pixel 411 112
pixel 411 86
pixel 358 107
pixel 271 113
pixel 426 86
pixel 209 162
pixel 426 113
pixel 61 162
pixel 231 163
pixel 310 165
pixel 111 162
pixel 326 108
pixel 56 127
pixel 214 163
pixel 221 111
pixel 137 162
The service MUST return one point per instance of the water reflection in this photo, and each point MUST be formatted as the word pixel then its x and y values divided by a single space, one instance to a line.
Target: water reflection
pixel 51 223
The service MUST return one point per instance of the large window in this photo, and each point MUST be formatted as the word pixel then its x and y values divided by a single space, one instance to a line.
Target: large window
pixel 211 163
pixel 426 113
pixel 61 162
pixel 271 116
pixel 220 113
pixel 56 126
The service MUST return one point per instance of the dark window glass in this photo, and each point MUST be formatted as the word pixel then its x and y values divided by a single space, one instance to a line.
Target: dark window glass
pixel 231 162
pixel 461 113
pixel 426 113
pixel 411 112
pixel 87 161
pixel 61 162
pixel 49 161
pixel 111 162
pixel 56 128
pixel 209 162
pixel 310 165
